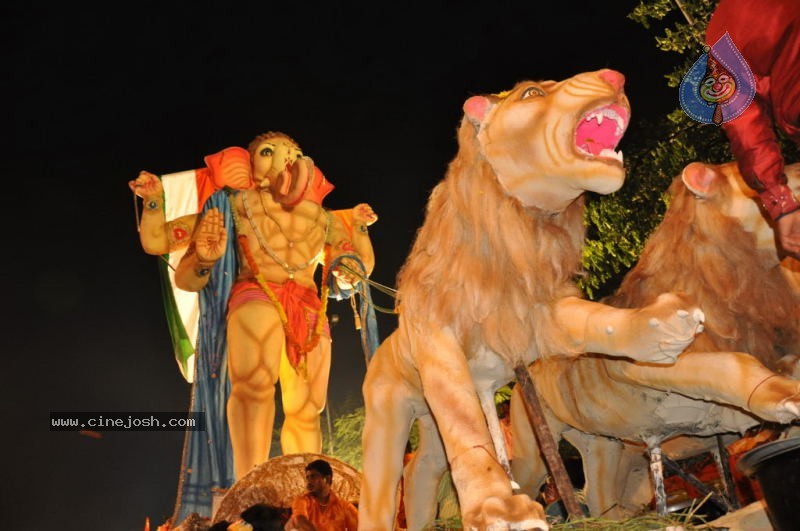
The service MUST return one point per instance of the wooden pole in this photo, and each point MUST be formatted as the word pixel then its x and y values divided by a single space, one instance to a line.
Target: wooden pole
pixel 721 458
pixel 547 444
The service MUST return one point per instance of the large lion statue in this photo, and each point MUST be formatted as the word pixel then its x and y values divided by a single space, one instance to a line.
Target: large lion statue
pixel 715 245
pixel 489 285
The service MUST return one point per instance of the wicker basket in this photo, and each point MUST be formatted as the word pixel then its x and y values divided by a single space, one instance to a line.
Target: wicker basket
pixel 280 480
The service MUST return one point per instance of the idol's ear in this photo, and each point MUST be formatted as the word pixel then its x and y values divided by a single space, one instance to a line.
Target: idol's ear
pixel 476 108
pixel 231 167
pixel 699 178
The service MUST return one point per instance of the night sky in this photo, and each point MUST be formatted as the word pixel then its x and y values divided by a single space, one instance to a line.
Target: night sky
pixel 373 94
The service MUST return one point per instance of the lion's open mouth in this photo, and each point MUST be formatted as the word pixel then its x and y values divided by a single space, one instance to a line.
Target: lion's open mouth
pixel 600 130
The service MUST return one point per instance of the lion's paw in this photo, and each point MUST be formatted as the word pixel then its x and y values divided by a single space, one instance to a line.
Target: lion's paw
pixel 670 328
pixel 776 399
pixel 789 409
pixel 517 512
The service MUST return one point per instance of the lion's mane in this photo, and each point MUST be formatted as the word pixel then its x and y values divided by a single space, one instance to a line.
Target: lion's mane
pixel 482 263
pixel 749 306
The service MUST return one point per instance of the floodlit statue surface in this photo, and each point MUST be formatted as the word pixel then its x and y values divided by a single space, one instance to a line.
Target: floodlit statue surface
pixel 488 285
pixel 272 232
pixel 715 245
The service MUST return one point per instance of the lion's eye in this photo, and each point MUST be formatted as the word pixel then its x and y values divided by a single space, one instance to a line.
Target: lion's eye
pixel 266 152
pixel 532 91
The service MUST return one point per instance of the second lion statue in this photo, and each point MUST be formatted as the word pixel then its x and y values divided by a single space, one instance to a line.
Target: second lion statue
pixel 488 285
pixel 723 383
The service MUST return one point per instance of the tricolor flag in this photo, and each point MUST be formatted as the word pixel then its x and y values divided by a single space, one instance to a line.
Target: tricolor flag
pixel 185 193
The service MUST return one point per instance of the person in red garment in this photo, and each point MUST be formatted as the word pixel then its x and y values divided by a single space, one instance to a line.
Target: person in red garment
pixel 767 33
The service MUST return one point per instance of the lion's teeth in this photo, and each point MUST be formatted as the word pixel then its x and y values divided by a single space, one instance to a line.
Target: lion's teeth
pixel 606 113
pixel 611 154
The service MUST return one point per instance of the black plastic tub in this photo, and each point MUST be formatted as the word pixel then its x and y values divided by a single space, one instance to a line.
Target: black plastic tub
pixel 776 467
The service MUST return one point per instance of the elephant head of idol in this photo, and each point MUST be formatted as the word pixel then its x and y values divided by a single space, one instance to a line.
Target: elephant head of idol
pixel 280 166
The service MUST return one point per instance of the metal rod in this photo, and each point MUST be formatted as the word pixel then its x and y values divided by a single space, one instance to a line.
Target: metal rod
pixel 673 467
pixel 136 213
pixel 657 472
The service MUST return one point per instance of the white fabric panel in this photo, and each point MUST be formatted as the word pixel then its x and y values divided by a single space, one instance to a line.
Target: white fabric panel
pixel 180 199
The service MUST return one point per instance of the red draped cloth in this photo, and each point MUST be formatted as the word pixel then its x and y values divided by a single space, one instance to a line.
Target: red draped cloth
pixel 301 305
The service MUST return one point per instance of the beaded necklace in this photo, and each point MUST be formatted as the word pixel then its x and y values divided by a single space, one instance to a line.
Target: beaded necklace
pixel 313 340
pixel 290 269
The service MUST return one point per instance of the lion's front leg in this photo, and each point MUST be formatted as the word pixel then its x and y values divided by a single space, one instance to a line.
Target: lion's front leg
pixel 657 333
pixel 484 489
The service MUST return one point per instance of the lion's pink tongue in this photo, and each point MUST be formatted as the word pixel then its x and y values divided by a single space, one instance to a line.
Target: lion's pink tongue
pixel 594 138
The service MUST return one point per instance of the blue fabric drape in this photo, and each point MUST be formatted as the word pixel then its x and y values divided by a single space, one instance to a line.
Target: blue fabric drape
pixel 207 462
pixel 369 323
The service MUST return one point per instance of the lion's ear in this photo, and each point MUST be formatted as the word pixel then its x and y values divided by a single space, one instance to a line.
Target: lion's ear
pixel 476 108
pixel 699 178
